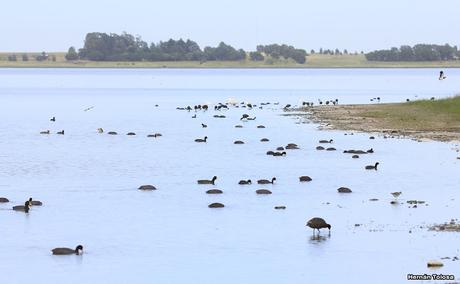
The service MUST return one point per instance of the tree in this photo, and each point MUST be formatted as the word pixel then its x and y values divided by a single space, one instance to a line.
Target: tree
pixel 12 57
pixel 256 56
pixel 312 51
pixel 25 57
pixel 71 54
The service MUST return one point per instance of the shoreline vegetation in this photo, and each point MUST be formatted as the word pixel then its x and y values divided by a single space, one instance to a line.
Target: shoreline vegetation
pixel 313 61
pixel 111 50
pixel 425 119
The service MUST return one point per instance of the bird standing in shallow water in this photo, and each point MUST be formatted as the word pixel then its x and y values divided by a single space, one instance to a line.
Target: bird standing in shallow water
pixel 318 223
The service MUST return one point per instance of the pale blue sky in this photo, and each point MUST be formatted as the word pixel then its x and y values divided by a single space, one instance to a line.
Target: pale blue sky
pixel 54 25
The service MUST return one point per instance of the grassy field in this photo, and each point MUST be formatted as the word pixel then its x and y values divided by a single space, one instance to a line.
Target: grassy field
pixel 313 61
pixel 437 119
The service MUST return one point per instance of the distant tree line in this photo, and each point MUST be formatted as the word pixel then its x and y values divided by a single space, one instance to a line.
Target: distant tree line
pixel 419 52
pixel 277 51
pixel 126 47
pixel 39 57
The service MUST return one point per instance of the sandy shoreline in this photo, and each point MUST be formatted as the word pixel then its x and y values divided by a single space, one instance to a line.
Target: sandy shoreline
pixel 357 118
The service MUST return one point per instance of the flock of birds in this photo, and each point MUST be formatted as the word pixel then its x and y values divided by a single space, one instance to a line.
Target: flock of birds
pixel 315 223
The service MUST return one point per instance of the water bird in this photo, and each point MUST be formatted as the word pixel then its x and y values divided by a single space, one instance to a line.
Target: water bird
pixel 216 205
pixel 66 251
pixel 87 109
pixel 264 140
pixel 204 125
pixel 396 194
pixel 207 181
pixel 194 116
pixel 100 130
pixel 53 119
pixel 244 182
pixel 320 148
pixel 266 181
pixel 279 154
pixel 326 141
pixel 130 133
pixel 441 75
pixel 60 132
pixel 35 202
pixel 147 187
pixel 318 223
pixel 305 178
pixel 374 167
pixel 344 190
pixel 263 191
pixel 24 208
pixel 4 200
pixel 214 191
pixel 45 132
pixel 112 133
pixel 202 140
pixel 238 142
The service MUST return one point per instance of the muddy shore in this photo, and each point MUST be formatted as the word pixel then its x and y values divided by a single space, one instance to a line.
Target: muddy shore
pixel 388 120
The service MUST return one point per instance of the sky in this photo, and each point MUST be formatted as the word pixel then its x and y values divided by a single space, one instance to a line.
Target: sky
pixel 55 25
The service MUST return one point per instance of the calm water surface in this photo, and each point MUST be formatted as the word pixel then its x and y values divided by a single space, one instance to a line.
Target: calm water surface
pixel 88 181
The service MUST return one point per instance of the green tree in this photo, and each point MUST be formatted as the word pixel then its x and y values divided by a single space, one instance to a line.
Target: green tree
pixel 256 56
pixel 25 57
pixel 71 54
pixel 12 57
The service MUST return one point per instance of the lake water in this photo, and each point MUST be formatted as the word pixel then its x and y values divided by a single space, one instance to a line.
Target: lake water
pixel 88 181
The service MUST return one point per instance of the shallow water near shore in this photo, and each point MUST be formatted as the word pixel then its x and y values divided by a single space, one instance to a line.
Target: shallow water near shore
pixel 88 181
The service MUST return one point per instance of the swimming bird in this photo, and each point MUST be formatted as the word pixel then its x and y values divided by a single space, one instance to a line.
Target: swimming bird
pixel 35 202
pixel 100 130
pixel 320 148
pixel 112 133
pixel 216 205
pixel 266 181
pixel 264 140
pixel 87 109
pixel 130 133
pixel 441 75
pixel 53 119
pixel 66 251
pixel 45 132
pixel 396 194
pixel 263 191
pixel 147 187
pixel 202 140
pixel 24 208
pixel 279 154
pixel 60 132
pixel 372 167
pixel 207 181
pixel 214 191
pixel 371 150
pixel 243 182
pixel 318 223
pixel 326 141
pixel 204 125
pixel 4 200
pixel 238 142
pixel 270 153
pixel 305 178
pixel 194 116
